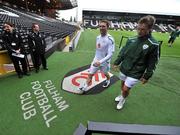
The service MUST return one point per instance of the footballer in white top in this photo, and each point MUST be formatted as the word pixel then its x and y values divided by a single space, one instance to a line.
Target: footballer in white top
pixel 104 51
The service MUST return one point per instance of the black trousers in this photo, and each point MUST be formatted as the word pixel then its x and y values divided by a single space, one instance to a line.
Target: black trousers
pixel 37 59
pixel 171 40
pixel 16 62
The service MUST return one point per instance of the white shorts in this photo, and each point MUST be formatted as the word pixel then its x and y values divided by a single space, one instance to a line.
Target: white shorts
pixel 129 81
pixel 105 68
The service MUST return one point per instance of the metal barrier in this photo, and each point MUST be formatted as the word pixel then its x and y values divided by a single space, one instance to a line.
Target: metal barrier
pixel 117 129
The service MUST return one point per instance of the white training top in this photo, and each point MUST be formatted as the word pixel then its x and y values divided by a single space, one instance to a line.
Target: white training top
pixel 104 48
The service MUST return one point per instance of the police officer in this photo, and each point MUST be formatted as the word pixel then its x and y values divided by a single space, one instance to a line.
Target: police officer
pixel 13 43
pixel 37 46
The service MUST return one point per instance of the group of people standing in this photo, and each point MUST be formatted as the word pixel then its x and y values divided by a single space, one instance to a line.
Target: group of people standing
pixel 136 60
pixel 13 43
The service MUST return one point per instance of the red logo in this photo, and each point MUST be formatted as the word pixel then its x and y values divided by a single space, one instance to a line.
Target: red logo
pixel 76 78
pixel 85 76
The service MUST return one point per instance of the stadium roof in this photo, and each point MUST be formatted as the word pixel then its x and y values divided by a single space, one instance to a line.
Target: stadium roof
pixel 68 4
pixel 43 4
pixel 131 11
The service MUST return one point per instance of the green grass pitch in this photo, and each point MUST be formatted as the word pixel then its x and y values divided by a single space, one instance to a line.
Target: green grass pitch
pixel 156 103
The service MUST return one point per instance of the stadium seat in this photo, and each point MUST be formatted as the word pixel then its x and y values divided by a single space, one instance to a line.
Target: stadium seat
pixel 52 29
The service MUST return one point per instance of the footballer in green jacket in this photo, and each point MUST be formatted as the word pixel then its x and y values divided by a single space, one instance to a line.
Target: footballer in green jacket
pixel 137 59
pixel 173 36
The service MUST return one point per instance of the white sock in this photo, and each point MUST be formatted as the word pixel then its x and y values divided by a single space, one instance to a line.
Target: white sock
pixel 85 86
pixel 108 80
pixel 122 97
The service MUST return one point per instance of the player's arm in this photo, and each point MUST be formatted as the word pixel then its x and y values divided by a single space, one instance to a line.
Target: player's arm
pixel 151 63
pixel 118 60
pixel 121 54
pixel 111 48
pixel 6 44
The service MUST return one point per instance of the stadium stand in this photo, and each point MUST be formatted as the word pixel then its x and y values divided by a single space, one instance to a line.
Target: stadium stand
pixel 43 7
pixel 52 29
pixel 127 21
pixel 55 31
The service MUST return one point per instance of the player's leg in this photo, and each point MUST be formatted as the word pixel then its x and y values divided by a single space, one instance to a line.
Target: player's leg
pixel 89 79
pixel 87 83
pixel 172 41
pixel 92 71
pixel 107 82
pixel 105 69
pixel 122 77
pixel 126 86
pixel 117 99
pixel 125 93
pixel 169 41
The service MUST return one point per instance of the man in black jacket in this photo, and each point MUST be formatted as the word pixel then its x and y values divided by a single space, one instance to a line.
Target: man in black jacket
pixel 13 43
pixel 37 45
pixel 137 60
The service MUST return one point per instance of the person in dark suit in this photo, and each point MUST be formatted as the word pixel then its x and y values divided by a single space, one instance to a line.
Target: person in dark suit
pixel 13 43
pixel 37 46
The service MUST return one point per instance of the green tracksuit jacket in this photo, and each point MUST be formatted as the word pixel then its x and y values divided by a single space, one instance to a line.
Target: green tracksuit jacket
pixel 138 58
pixel 175 34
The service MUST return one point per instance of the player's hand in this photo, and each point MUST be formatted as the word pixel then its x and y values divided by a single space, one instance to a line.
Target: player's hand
pixel 143 80
pixel 18 51
pixel 97 64
pixel 115 68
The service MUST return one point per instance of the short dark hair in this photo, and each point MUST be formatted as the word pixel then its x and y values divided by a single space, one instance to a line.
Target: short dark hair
pixel 105 21
pixel 149 20
pixel 10 24
pixel 33 24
